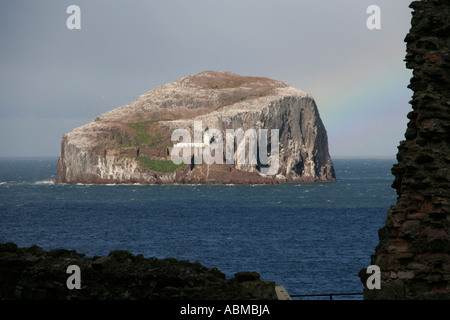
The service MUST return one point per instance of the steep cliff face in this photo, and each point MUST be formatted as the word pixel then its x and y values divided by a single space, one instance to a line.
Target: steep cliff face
pixel 132 143
pixel 414 249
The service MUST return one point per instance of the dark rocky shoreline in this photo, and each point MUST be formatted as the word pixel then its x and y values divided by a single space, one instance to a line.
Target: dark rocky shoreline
pixel 35 274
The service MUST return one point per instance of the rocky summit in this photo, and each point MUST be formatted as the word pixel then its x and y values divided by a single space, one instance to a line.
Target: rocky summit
pixel 134 143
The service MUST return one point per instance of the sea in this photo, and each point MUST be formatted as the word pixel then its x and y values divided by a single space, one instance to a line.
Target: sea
pixel 311 238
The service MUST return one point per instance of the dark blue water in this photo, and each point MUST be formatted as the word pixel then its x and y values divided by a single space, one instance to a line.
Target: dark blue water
pixel 310 238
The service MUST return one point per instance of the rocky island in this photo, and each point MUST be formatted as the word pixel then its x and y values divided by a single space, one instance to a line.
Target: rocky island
pixel 134 144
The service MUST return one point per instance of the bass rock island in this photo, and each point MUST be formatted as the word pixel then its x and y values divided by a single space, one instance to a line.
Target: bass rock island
pixel 133 143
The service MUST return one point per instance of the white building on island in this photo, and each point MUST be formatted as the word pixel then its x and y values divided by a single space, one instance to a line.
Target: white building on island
pixel 205 143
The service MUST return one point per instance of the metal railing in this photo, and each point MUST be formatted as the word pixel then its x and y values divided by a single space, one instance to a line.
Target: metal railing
pixel 326 295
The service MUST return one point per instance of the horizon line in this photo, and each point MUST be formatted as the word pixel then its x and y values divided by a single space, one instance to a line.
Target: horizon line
pixel 332 157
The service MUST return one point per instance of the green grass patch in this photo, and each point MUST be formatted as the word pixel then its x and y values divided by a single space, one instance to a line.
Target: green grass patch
pixel 142 135
pixel 159 165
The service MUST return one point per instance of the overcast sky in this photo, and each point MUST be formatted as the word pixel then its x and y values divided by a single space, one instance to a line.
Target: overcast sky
pixel 53 79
